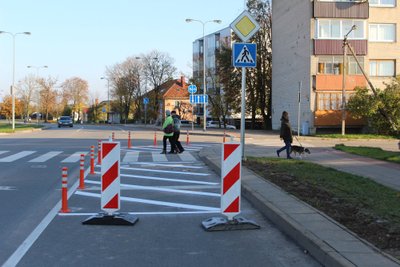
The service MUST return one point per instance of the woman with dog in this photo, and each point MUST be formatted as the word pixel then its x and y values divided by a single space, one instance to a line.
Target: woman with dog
pixel 286 135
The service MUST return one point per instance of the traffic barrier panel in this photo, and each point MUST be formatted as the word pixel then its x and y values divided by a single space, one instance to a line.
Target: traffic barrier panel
pixel 64 191
pixel 91 159
pixel 231 164
pixel 82 172
pixel 129 140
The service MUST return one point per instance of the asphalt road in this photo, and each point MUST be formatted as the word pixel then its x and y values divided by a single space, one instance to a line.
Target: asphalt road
pixel 170 195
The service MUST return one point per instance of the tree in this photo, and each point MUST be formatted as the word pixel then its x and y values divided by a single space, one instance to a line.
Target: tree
pixel 363 104
pixel 25 90
pixel 158 68
pixel 76 90
pixel 48 96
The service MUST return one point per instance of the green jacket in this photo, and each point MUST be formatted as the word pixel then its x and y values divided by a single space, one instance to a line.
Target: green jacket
pixel 167 121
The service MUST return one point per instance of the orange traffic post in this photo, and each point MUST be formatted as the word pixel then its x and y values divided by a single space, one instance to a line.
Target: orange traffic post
pixel 187 137
pixel 82 172
pixel 155 139
pixel 224 139
pixel 64 191
pixel 129 140
pixel 92 160
pixel 99 152
pixel 113 136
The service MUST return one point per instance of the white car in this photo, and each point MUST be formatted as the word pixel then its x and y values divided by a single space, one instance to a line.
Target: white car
pixel 215 124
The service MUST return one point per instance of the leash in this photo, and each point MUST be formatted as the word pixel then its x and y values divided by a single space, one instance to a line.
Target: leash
pixel 298 141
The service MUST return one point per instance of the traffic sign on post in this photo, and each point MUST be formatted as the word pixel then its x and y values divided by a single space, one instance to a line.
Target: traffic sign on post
pixel 145 100
pixel 244 55
pixel 245 26
pixel 198 99
pixel 192 89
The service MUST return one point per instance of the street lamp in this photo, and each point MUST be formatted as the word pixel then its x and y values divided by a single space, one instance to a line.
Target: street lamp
pixel 13 78
pixel 108 95
pixel 345 44
pixel 204 65
pixel 37 68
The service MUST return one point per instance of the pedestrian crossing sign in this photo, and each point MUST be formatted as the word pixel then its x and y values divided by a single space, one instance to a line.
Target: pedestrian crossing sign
pixel 244 55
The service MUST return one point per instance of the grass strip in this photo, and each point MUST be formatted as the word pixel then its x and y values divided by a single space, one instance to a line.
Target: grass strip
pixel 357 136
pixel 7 128
pixel 371 152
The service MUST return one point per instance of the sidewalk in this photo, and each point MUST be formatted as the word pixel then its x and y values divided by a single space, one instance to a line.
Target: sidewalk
pixel 328 241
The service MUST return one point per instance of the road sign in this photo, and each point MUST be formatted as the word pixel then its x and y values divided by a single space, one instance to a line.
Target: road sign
pixel 245 26
pixel 145 100
pixel 244 55
pixel 198 99
pixel 104 109
pixel 192 89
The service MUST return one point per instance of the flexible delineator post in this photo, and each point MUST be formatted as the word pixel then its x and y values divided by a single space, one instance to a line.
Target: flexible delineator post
pixel 187 137
pixel 129 140
pixel 64 191
pixel 82 172
pixel 92 160
pixel 155 139
pixel 99 152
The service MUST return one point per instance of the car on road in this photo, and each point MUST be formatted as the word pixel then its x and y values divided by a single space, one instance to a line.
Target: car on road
pixel 65 121
pixel 215 124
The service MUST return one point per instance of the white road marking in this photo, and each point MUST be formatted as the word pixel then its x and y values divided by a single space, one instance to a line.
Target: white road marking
pixel 46 156
pixel 187 156
pixel 162 171
pixel 166 179
pixel 154 202
pixel 74 157
pixel 157 157
pixel 161 189
pixel 145 213
pixel 131 156
pixel 169 165
pixel 3 151
pixel 17 156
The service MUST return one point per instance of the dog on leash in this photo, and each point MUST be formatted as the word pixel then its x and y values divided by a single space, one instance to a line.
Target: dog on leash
pixel 299 150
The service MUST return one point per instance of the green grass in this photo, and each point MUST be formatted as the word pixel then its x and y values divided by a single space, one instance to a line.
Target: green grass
pixel 375 199
pixel 357 136
pixel 371 152
pixel 7 128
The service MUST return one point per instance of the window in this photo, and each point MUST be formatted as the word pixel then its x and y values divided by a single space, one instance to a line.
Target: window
pixel 382 3
pixel 382 33
pixel 331 100
pixel 381 68
pixel 177 104
pixel 336 29
pixel 334 65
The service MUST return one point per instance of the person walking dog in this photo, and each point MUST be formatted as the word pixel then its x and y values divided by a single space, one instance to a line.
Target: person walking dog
pixel 168 129
pixel 286 135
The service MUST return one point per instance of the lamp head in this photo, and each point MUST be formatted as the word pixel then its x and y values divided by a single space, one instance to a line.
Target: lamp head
pixel 217 21
pixel 189 20
pixel 27 33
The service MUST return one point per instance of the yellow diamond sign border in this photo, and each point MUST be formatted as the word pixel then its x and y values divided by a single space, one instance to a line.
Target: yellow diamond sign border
pixel 245 26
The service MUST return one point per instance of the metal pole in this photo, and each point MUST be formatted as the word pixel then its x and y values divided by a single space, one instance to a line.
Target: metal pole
pixel 343 86
pixel 145 115
pixel 204 82
pixel 243 111
pixel 108 98
pixel 298 113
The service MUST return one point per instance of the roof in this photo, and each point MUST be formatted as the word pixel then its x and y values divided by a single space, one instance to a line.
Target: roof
pixel 174 89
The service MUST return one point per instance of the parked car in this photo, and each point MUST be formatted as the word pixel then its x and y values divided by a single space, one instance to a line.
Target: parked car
pixel 65 121
pixel 215 124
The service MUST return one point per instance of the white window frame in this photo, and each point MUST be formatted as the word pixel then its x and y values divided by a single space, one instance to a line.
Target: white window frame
pixel 379 4
pixel 378 40
pixel 342 33
pixel 377 61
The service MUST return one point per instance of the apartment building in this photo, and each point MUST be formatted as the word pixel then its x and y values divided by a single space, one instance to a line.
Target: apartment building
pixel 307 45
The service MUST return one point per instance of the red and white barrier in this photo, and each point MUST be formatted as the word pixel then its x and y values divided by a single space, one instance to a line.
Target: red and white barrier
pixel 82 172
pixel 91 159
pixel 231 166
pixel 110 177
pixel 64 191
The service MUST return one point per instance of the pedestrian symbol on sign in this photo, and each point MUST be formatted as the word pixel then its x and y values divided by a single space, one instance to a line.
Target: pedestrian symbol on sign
pixel 244 56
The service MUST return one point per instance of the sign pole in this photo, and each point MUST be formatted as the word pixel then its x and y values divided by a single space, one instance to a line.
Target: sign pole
pixel 298 113
pixel 145 115
pixel 243 111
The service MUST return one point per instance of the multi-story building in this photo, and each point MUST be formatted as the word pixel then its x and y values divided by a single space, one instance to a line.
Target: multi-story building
pixel 307 45
pixel 212 44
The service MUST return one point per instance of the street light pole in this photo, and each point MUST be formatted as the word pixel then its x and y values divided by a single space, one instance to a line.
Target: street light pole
pixel 203 23
pixel 108 95
pixel 344 79
pixel 13 76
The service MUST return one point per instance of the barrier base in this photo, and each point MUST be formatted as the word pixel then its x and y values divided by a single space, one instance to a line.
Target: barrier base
pixel 223 224
pixel 111 219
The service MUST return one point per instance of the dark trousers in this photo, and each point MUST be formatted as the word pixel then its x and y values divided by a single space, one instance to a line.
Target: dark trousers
pixel 287 146
pixel 171 141
pixel 177 144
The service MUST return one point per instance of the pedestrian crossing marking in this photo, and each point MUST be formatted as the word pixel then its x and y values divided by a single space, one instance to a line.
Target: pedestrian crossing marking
pixel 16 156
pixel 244 56
pixel 157 157
pixel 131 156
pixel 74 157
pixel 186 156
pixel 46 157
pixel 3 151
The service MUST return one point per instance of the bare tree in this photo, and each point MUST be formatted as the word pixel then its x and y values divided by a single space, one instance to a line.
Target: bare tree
pixel 48 96
pixel 25 91
pixel 158 68
pixel 76 91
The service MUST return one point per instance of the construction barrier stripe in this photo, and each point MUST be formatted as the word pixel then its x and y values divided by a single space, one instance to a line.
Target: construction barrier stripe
pixel 229 148
pixel 110 176
pixel 113 203
pixel 106 148
pixel 234 206
pixel 231 178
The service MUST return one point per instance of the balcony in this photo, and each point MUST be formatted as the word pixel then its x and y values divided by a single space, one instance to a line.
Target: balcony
pixel 335 47
pixel 330 82
pixel 351 10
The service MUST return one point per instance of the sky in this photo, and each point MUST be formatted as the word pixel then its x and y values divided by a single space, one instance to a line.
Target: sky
pixel 80 38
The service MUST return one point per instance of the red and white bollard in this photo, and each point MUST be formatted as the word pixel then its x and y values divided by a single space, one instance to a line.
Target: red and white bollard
pixel 155 139
pixel 187 137
pixel 82 172
pixel 112 136
pixel 91 159
pixel 99 152
pixel 129 140
pixel 224 139
pixel 64 191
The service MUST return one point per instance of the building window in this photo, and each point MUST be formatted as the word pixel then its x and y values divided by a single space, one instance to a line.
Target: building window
pixel 177 104
pixel 336 29
pixel 331 100
pixel 382 33
pixel 381 68
pixel 382 3
pixel 334 65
